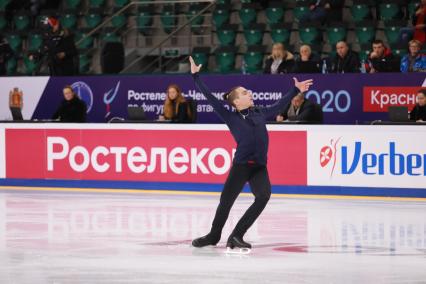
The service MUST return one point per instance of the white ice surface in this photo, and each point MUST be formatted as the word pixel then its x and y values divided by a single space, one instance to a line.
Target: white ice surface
pixel 144 238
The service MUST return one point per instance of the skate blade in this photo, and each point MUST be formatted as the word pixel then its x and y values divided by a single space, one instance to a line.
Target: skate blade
pixel 237 251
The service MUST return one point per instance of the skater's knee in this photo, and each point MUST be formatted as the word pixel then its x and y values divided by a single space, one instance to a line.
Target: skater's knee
pixel 264 197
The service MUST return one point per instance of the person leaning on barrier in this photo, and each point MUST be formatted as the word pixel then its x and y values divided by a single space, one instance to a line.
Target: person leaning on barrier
pixel 301 109
pixel 280 61
pixel 418 113
pixel 414 61
pixel 176 108
pixel 72 108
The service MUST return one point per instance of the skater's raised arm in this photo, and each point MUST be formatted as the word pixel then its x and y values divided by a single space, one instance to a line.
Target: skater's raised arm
pixel 214 102
pixel 276 108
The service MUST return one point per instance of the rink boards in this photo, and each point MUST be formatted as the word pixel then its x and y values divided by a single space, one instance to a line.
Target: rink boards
pixel 314 160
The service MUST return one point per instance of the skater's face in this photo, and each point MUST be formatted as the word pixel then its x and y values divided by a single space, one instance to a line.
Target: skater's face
pixel 68 94
pixel 244 98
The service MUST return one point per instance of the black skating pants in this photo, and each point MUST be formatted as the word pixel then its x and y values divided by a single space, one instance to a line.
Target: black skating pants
pixel 257 176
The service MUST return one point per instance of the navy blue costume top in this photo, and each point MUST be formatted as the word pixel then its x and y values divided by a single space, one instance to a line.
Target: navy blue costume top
pixel 250 132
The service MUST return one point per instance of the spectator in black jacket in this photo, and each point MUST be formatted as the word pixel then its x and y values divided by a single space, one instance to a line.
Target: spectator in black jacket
pixel 306 62
pixel 418 113
pixel 59 47
pixel 345 60
pixel 280 61
pixel 381 59
pixel 72 108
pixel 5 54
pixel 300 109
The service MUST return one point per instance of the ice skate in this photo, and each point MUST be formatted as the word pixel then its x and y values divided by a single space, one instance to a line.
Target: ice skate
pixel 207 240
pixel 237 245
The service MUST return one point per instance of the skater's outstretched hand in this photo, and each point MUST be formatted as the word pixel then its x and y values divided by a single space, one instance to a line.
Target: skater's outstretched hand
pixel 304 85
pixel 194 67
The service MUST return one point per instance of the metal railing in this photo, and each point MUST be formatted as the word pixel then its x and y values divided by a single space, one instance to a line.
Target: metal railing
pixel 159 45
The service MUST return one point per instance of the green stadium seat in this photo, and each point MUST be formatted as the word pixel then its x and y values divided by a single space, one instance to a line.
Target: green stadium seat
pixel 168 19
pixel 201 56
pixel 35 40
pixel 3 22
pixel 96 3
pixel 72 4
pixel 275 13
pixel 119 21
pixel 109 35
pixel 30 66
pixel 300 10
pixel 412 8
pixel 12 65
pixel 336 32
pixel 198 21
pixel 225 2
pixel 120 3
pixel 281 33
pixel 365 51
pixel 392 29
pixel 221 15
pixel 310 33
pixel 84 63
pixel 225 59
pixel 21 21
pixel 3 4
pixel 253 59
pixel 360 10
pixel 365 32
pixel 227 34
pixel 254 34
pixel 390 10
pixel 93 18
pixel 247 14
pixel 144 20
pixel 15 41
pixel 69 20
pixel 86 41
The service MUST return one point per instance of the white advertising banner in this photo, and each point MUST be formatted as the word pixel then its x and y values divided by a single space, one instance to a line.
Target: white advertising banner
pixel 32 89
pixel 366 156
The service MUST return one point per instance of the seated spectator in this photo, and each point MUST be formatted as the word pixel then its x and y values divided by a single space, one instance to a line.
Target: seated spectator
pixel 300 109
pixel 72 108
pixel 418 113
pixel 306 62
pixel 414 61
pixel 280 61
pixel 345 60
pixel 381 59
pixel 418 30
pixel 176 108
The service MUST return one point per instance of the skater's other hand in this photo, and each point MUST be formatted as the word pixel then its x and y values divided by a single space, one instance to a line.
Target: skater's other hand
pixel 194 67
pixel 304 85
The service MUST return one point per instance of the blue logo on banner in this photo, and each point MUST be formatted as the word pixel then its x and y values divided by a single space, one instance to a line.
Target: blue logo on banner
pixel 84 92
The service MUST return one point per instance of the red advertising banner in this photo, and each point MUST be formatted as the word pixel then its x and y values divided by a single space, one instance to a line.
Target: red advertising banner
pixel 378 99
pixel 199 156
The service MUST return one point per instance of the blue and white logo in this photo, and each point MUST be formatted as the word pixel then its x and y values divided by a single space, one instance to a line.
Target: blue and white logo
pixel 84 92
pixel 109 98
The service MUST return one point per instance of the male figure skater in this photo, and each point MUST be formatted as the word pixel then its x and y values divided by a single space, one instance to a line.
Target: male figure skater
pixel 248 127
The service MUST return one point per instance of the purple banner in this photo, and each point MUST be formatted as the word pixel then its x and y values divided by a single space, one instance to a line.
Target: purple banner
pixel 342 96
